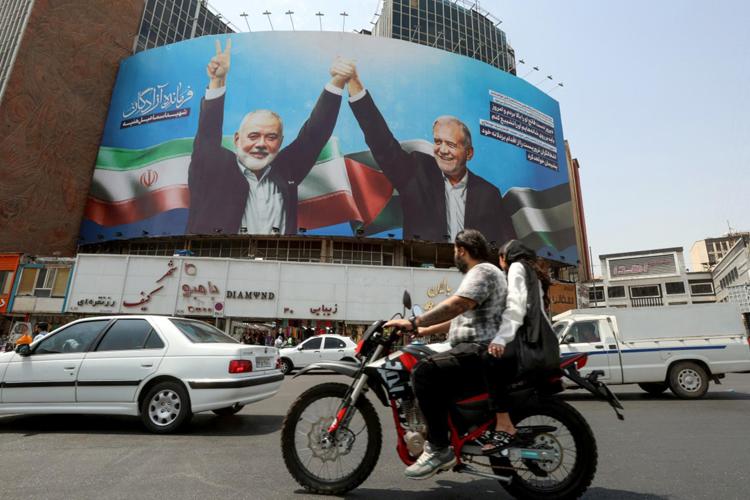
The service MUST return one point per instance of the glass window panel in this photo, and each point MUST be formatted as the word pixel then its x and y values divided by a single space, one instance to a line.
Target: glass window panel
pixel 61 282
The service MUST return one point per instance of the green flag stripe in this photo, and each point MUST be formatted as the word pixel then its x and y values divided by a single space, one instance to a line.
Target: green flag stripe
pixel 124 159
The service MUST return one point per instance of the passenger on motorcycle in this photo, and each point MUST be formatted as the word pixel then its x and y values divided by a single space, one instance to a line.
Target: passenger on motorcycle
pixel 471 318
pixel 527 283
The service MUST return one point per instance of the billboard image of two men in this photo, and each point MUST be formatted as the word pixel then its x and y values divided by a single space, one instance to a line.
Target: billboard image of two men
pixel 238 147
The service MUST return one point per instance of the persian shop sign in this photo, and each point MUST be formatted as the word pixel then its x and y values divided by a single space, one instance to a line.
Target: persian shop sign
pixel 642 266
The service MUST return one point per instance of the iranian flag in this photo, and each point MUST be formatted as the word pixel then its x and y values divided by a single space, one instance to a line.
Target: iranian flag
pixel 131 185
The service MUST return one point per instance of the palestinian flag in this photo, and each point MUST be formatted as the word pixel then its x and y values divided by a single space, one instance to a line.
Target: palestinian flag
pixel 543 219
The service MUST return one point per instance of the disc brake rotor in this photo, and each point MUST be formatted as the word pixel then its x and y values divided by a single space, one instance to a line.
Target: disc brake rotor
pixel 548 442
pixel 326 447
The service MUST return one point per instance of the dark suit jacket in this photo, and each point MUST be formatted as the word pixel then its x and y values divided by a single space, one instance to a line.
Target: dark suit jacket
pixel 218 190
pixel 421 187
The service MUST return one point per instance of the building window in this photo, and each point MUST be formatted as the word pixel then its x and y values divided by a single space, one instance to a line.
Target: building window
pixel 285 250
pixel 638 292
pixel 6 281
pixel 701 288
pixel 360 253
pixel 596 294
pixel 616 292
pixel 44 282
pixel 675 288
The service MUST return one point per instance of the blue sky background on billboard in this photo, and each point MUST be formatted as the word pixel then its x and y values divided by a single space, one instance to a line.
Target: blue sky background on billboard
pixel 654 103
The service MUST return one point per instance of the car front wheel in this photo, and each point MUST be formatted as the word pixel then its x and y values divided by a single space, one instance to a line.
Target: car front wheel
pixel 165 408
pixel 286 366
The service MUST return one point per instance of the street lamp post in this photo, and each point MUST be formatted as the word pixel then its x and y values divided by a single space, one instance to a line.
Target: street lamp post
pixel 343 15
pixel 320 19
pixel 289 13
pixel 244 15
pixel 268 15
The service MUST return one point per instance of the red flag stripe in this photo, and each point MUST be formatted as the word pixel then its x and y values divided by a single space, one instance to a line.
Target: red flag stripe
pixel 370 188
pixel 128 211
pixel 327 210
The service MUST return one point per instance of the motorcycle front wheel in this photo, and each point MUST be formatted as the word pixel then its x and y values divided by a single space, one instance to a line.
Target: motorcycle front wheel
pixel 330 464
pixel 573 443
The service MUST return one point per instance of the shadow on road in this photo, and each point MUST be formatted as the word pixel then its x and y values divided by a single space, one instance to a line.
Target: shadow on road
pixel 200 425
pixel 479 489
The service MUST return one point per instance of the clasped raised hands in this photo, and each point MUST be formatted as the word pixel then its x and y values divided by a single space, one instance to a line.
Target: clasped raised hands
pixel 342 70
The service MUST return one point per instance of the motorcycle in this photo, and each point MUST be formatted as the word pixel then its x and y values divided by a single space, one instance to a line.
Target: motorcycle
pixel 331 436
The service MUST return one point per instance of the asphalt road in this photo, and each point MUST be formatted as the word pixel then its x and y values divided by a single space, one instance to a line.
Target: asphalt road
pixel 666 448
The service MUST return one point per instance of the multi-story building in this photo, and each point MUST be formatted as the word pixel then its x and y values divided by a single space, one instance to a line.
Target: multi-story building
pixel 169 21
pixel 58 64
pixel 649 278
pixel 704 254
pixel 731 273
pixel 13 17
pixel 458 26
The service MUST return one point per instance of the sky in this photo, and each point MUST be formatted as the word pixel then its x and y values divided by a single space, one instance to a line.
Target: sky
pixel 655 103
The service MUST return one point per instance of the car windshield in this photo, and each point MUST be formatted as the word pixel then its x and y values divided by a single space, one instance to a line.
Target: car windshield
pixel 202 333
pixel 559 328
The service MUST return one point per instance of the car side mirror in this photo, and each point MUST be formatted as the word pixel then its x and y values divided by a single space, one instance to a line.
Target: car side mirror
pixel 567 339
pixel 406 300
pixel 23 350
pixel 299 347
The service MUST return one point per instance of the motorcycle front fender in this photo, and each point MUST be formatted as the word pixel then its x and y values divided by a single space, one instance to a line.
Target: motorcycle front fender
pixel 342 367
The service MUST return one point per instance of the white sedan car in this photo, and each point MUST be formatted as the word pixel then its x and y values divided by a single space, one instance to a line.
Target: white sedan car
pixel 315 349
pixel 161 369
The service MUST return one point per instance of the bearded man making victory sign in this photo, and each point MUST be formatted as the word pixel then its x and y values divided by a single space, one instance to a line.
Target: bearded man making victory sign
pixel 256 187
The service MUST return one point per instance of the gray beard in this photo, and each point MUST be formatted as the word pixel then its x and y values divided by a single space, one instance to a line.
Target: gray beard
pixel 254 164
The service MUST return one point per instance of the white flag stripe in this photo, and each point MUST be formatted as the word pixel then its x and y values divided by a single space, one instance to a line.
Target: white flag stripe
pixel 119 185
pixel 324 178
pixel 533 220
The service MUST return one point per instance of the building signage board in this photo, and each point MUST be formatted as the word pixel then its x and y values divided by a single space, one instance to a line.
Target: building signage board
pixel 209 287
pixel 642 266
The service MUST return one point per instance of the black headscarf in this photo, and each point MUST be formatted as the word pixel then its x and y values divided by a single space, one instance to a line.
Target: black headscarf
pixel 515 251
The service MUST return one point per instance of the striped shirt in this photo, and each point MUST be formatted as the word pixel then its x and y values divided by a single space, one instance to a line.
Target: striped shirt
pixel 485 284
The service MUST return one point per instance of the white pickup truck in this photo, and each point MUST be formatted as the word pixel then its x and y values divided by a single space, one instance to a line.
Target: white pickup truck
pixel 675 347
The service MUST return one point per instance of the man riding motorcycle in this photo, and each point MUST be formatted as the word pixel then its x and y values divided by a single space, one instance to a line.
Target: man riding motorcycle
pixel 471 317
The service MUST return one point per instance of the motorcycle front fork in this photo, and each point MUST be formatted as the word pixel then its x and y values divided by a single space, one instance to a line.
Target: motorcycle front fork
pixel 344 413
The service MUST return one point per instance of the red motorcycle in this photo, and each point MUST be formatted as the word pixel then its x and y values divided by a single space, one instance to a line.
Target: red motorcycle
pixel 331 436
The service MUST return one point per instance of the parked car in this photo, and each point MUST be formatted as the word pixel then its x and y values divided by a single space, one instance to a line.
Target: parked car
pixel 161 369
pixel 316 349
pixel 680 348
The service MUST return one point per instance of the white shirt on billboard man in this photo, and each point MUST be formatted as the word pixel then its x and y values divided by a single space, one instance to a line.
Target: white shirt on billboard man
pixel 256 187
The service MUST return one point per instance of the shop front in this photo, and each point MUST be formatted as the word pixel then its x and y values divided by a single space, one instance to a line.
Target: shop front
pixel 254 301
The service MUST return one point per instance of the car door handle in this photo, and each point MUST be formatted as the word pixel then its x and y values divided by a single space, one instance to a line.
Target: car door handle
pixel 598 347
pixel 341 350
pixel 149 365
pixel 316 351
pixel 70 368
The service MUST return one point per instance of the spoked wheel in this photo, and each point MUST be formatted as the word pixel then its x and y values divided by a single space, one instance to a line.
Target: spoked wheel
pixel 323 463
pixel 571 448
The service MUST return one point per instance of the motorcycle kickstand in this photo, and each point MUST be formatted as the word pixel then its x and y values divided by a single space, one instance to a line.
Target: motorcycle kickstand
pixel 467 469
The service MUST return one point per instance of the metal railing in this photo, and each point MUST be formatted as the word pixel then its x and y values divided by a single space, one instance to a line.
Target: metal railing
pixel 646 302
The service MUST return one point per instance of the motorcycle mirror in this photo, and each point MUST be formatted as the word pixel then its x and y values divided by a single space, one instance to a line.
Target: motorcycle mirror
pixel 407 300
pixel 416 310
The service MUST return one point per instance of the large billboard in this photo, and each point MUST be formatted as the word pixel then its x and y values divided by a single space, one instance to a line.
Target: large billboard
pixel 328 134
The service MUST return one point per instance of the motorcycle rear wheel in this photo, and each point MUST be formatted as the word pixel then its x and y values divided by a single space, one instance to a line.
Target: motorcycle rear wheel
pixel 313 411
pixel 532 481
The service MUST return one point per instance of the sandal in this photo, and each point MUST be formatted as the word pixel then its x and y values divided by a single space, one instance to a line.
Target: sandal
pixel 495 441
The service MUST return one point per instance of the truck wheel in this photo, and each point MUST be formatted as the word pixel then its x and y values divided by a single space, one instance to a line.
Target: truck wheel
pixel 654 388
pixel 688 380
